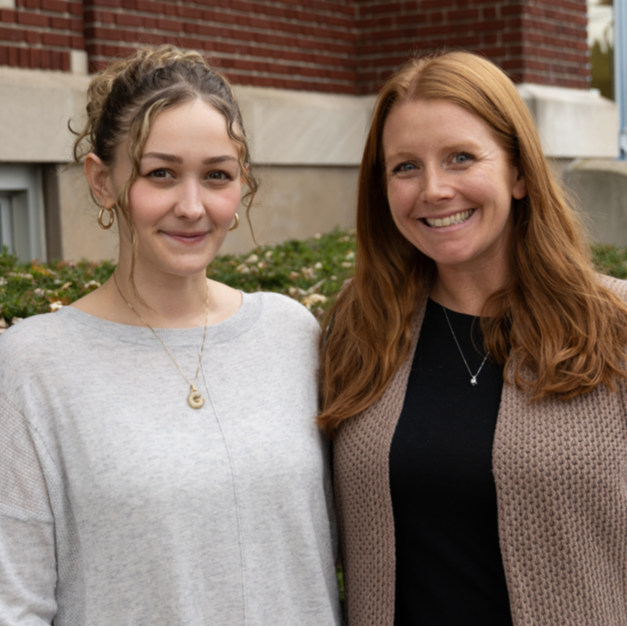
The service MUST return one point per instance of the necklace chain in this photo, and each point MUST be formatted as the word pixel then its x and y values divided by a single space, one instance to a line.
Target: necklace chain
pixel 473 377
pixel 194 399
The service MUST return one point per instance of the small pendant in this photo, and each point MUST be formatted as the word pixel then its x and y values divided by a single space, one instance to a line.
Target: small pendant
pixel 195 399
pixel 473 381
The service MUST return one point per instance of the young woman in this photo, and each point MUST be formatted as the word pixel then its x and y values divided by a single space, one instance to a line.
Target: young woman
pixel 474 373
pixel 160 462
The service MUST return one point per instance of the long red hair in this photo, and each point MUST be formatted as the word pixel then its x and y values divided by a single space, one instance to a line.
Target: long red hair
pixel 562 323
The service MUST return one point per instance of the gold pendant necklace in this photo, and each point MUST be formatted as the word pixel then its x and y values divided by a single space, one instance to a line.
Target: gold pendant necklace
pixel 194 398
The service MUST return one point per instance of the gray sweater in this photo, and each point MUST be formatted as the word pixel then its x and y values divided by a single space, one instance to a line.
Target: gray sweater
pixel 119 504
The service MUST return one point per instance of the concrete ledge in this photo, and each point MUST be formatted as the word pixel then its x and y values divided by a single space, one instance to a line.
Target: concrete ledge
pixel 284 127
pixel 573 123
pixel 35 106
pixel 600 190
pixel 304 128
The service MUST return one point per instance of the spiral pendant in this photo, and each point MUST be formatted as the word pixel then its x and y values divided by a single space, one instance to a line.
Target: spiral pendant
pixel 195 399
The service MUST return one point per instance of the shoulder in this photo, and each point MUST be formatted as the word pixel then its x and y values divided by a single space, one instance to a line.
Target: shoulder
pixel 31 332
pixel 284 327
pixel 284 312
pixel 618 286
pixel 31 351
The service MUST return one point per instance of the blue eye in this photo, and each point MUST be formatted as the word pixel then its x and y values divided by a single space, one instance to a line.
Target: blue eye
pixel 462 157
pixel 404 167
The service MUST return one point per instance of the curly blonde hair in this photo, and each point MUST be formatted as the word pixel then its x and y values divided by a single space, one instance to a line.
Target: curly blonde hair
pixel 124 99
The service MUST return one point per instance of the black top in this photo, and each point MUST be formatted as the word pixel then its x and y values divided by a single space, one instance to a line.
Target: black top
pixel 449 569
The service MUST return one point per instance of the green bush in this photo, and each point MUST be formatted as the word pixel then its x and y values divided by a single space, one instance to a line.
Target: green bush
pixel 311 271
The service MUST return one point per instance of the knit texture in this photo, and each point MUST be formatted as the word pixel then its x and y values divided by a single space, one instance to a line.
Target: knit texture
pixel 561 476
pixel 122 505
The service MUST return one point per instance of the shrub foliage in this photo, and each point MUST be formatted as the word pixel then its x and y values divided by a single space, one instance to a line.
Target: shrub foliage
pixel 311 271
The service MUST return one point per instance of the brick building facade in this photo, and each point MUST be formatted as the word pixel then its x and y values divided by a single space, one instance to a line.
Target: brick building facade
pixel 305 72
pixel 337 46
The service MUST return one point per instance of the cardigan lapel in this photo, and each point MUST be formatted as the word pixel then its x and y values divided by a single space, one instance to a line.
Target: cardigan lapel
pixel 361 457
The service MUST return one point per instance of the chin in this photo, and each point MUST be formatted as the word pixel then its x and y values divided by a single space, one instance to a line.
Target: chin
pixel 186 269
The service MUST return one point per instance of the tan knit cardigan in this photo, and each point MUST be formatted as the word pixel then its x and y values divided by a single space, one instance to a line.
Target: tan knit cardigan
pixel 561 478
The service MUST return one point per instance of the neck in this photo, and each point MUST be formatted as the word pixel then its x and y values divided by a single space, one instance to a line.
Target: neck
pixel 161 300
pixel 467 291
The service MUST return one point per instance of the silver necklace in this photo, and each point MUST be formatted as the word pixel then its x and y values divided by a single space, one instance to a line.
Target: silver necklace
pixel 473 377
pixel 194 398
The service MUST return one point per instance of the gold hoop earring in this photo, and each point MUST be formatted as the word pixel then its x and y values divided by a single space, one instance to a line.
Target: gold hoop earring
pixel 109 224
pixel 236 223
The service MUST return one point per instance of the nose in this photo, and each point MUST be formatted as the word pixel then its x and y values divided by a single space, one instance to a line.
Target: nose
pixel 436 186
pixel 189 204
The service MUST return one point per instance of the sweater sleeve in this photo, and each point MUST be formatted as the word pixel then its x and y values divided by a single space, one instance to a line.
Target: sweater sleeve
pixel 27 547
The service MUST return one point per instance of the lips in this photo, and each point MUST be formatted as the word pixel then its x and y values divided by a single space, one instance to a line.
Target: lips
pixel 185 237
pixel 456 218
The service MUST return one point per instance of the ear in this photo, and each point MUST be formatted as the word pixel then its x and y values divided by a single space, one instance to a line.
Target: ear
pixel 519 191
pixel 99 179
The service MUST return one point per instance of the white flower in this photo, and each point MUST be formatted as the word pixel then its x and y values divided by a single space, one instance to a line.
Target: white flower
pixel 56 305
pixel 243 269
pixel 91 284
pixel 318 235
pixel 294 275
pixel 314 288
pixel 308 273
pixel 268 254
pixel 350 255
pixel 3 281
pixel 314 299
pixel 318 266
pixel 39 292
pixel 252 259
pixel 20 275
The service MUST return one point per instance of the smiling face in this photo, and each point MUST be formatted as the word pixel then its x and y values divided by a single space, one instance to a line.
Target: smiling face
pixel 186 194
pixel 450 185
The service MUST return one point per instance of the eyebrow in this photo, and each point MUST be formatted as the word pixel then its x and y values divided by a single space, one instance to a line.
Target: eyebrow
pixel 465 145
pixel 175 159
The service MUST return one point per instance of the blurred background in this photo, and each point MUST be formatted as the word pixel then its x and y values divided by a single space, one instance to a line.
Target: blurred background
pixel 306 75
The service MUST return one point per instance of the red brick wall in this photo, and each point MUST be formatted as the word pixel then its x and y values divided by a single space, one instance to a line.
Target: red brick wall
pixel 341 46
pixel 308 44
pixel 536 41
pixel 40 33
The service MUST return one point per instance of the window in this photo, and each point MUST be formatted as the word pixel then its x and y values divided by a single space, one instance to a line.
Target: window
pixel 22 226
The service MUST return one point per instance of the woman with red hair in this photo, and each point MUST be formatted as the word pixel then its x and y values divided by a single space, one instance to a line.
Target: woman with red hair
pixel 473 373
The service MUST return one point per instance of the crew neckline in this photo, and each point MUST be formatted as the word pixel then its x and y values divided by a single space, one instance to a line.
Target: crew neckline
pixel 223 331
pixel 435 303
